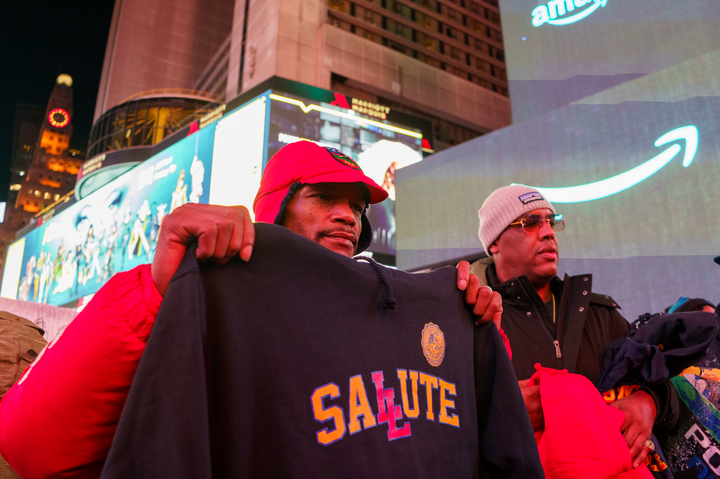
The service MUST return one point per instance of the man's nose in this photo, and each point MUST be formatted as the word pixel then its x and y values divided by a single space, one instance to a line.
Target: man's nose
pixel 343 212
pixel 546 231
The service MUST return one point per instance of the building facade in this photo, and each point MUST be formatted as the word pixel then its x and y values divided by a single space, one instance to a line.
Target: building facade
pixel 439 59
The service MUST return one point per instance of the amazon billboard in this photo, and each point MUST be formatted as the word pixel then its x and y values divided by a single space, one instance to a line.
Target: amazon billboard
pixel 558 51
pixel 634 166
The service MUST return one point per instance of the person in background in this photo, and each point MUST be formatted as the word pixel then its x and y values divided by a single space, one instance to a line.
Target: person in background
pixel 559 323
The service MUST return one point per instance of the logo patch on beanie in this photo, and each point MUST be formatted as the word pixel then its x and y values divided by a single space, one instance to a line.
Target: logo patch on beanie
pixel 342 158
pixel 530 197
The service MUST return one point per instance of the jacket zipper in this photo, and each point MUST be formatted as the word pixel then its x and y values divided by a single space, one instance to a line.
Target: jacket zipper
pixel 556 343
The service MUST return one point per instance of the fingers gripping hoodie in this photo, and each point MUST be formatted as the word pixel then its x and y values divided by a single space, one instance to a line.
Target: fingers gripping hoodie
pixel 304 363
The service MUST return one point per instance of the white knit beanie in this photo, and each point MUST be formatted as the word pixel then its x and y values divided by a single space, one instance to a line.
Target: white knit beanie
pixel 504 206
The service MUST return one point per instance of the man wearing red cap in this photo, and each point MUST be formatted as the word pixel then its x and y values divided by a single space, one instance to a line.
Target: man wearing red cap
pixel 316 192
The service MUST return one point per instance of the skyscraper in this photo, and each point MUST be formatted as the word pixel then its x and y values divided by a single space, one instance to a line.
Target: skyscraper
pixel 440 59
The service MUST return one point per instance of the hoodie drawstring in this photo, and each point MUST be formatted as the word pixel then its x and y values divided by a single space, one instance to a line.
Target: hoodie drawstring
pixel 390 301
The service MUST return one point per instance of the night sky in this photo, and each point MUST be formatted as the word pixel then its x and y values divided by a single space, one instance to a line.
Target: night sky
pixel 40 39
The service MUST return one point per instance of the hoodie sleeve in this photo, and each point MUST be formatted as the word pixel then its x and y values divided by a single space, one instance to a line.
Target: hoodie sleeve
pixel 73 394
pixel 507 441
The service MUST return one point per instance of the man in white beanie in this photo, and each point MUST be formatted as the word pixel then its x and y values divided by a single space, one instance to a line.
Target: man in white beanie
pixel 558 323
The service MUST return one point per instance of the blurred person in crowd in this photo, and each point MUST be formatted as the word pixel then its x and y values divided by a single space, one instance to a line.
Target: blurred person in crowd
pixel 20 342
pixel 685 304
pixel 689 445
pixel 559 323
pixel 325 200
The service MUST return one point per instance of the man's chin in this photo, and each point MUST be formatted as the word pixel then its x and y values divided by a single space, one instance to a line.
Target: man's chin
pixel 547 271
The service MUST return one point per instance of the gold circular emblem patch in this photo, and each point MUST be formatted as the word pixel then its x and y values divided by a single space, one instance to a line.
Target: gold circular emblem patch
pixel 433 344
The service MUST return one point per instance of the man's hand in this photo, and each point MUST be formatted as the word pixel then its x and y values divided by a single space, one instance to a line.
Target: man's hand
pixel 640 411
pixel 486 303
pixel 221 232
pixel 531 396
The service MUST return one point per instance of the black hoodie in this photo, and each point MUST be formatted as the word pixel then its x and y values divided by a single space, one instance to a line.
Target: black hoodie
pixel 292 364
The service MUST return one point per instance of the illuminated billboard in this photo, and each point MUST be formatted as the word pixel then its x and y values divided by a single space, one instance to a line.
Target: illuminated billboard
pixel 632 165
pixel 113 229
pixel 379 147
pixel 559 51
pixel 220 161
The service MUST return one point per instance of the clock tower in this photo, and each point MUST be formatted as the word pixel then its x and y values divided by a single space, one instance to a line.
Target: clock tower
pixel 54 166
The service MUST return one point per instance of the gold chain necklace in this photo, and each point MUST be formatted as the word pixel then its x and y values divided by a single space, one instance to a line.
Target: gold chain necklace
pixel 553 298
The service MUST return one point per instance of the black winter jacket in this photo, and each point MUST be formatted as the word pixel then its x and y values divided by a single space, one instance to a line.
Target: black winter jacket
pixel 586 325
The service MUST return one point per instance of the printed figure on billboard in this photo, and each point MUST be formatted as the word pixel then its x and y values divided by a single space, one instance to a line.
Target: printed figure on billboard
pixel 24 287
pixel 179 196
pixel 137 237
pixel 45 268
pixel 197 173
pixel 110 245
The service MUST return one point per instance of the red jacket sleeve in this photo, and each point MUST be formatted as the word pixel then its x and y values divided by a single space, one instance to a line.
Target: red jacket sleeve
pixel 60 417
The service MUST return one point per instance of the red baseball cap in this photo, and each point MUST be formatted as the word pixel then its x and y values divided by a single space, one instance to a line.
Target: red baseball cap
pixel 306 163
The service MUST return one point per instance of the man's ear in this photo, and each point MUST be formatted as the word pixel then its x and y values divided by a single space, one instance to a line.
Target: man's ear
pixel 494 248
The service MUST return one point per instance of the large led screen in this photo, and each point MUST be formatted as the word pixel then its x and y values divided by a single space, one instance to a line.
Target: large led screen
pixel 113 229
pixel 558 51
pixel 238 155
pixel 634 168
pixel 379 147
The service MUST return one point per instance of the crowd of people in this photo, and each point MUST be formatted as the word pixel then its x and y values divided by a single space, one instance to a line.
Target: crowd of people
pixel 261 357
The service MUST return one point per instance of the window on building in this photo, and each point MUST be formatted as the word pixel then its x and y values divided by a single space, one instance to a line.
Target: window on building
pixel 478 27
pixel 337 4
pixel 57 197
pixel 481 47
pixel 37 193
pixel 430 42
pixel 482 65
pixel 46 195
pixel 483 83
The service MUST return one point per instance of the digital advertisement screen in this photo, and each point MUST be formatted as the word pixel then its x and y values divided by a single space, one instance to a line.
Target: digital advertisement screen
pixel 558 51
pixel 113 229
pixel 634 167
pixel 379 147
pixel 116 227
pixel 238 155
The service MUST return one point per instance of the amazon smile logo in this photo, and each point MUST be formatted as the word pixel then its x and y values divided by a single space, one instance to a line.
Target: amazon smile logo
pixel 630 178
pixel 564 12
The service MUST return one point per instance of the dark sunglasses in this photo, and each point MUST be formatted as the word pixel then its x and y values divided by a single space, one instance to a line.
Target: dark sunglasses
pixel 531 223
